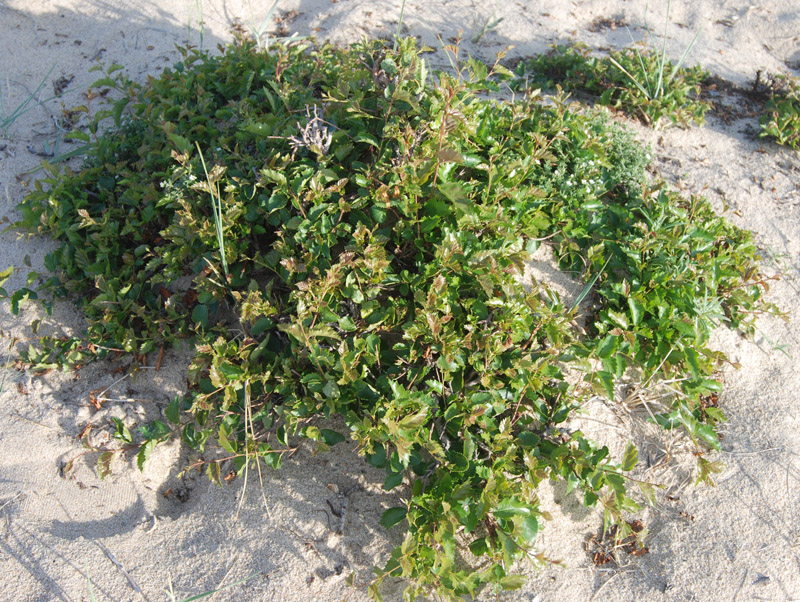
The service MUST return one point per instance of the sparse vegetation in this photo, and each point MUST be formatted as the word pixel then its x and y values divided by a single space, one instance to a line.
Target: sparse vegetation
pixel 641 83
pixel 781 118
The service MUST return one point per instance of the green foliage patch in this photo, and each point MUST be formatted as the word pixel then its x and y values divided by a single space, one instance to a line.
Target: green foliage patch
pixel 342 232
pixel 781 118
pixel 640 82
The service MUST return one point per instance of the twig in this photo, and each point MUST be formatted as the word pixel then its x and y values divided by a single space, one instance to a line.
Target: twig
pixel 160 357
pixel 20 494
pixel 18 415
pixel 121 568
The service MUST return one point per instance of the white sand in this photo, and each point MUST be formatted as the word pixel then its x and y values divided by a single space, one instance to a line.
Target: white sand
pixel 738 541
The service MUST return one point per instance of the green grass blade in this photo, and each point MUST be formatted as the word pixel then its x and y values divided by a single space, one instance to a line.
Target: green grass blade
pixel 588 287
pixel 214 591
pixel 89 581
pixel 216 207
pixel 257 33
pixel 686 52
pixel 22 108
pixel 399 23
pixel 633 79
pixel 662 59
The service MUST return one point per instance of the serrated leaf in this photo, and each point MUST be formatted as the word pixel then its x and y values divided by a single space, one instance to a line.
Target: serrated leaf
pixel 630 458
pixel 154 430
pixel 510 508
pixel 173 411
pixel 144 452
pixel 529 528
pixel 607 346
pixel 693 361
pixel 636 310
pixel 618 318
pixel 200 315
pixel 648 491
pixel 377 459
pixel 121 431
pixel 393 516
pixel 5 275
pixel 393 479
pixel 331 437
pixel 511 582
pixel 116 111
pixel 223 436
pixel 231 371
pixel 213 473
pixel 606 383
pixel 479 547
pixel 104 464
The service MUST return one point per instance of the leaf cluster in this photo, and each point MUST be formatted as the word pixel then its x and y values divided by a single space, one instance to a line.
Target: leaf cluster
pixel 781 118
pixel 638 81
pixel 374 221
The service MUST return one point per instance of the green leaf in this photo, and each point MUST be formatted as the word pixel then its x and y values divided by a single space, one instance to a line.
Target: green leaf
pixel 529 528
pixel 121 431
pixel 692 359
pixel 393 479
pixel 213 473
pixel 104 464
pixel 5 275
pixel 223 436
pixel 331 437
pixel 173 410
pixel 511 582
pixel 200 315
pixel 154 430
pixel 479 547
pixel 636 310
pixel 144 452
pixel 618 318
pixel 606 382
pixel 231 371
pixel 630 458
pixel 510 508
pixel 393 516
pixel 648 491
pixel 607 346
pixel 377 459
pixel 260 325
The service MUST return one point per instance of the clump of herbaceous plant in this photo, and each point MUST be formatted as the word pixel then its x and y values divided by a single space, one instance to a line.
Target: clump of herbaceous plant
pixel 341 232
pixel 636 80
pixel 781 118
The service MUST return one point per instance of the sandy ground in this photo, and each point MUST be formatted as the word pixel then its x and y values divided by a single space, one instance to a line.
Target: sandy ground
pixel 133 534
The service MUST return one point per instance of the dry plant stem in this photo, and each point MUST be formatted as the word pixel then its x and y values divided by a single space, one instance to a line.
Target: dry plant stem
pixel 110 556
pixel 16 497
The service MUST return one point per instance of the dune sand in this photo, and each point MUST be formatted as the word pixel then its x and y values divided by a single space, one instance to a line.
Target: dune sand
pixel 135 533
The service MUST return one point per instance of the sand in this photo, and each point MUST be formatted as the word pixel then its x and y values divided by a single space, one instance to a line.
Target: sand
pixel 135 534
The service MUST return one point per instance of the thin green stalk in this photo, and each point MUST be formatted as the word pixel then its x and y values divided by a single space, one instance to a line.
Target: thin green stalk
pixel 399 23
pixel 89 581
pixel 200 22
pixel 588 287
pixel 214 591
pixel 6 121
pixel 216 205
pixel 647 88
pixel 257 33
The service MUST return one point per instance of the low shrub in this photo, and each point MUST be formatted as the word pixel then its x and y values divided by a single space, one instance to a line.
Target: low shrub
pixel 781 118
pixel 341 232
